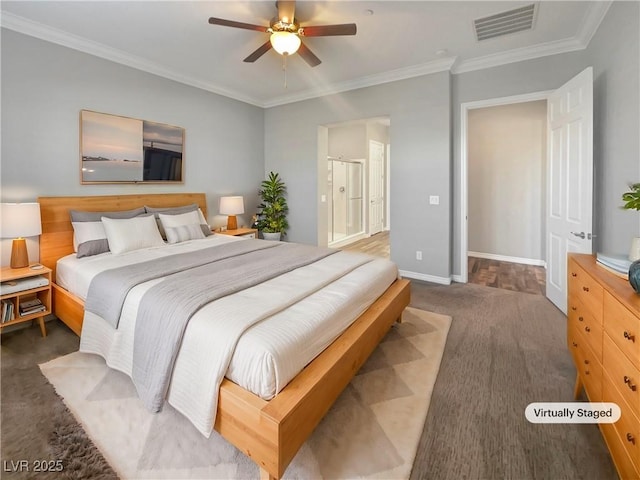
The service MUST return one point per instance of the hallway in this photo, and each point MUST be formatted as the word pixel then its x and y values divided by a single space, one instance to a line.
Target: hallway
pixel 491 273
pixel 508 276
pixel 376 245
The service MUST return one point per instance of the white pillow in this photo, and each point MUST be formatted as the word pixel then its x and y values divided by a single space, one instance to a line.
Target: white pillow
pixel 129 234
pixel 188 218
pixel 183 233
pixel 87 232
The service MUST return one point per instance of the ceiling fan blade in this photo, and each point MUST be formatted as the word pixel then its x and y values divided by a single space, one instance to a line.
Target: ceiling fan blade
pixel 286 10
pixel 329 30
pixel 231 23
pixel 308 56
pixel 259 52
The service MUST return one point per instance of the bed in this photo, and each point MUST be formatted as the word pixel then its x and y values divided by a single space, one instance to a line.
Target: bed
pixel 271 431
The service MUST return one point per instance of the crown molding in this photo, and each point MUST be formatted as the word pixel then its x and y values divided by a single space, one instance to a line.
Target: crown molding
pixel 593 20
pixel 59 37
pixel 590 25
pixel 442 65
pixel 518 55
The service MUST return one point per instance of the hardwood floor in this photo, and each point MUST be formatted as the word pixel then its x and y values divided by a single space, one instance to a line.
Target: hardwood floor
pixel 508 276
pixel 376 245
pixel 491 273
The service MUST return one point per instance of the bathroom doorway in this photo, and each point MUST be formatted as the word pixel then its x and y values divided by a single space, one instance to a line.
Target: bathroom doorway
pixel 345 200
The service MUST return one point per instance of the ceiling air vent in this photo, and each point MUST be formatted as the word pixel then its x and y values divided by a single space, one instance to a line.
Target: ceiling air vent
pixel 512 21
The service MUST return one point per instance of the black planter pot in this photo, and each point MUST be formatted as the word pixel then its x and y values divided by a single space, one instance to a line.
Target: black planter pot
pixel 634 275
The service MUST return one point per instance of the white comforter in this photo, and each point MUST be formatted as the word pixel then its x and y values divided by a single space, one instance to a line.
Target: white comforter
pixel 268 355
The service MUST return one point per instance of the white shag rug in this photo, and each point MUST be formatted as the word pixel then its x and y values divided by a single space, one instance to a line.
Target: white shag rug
pixel 372 431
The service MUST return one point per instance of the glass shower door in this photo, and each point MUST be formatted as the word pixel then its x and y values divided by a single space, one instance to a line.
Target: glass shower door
pixel 345 202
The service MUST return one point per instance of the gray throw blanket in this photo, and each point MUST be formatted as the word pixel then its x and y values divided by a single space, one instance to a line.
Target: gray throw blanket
pixel 108 290
pixel 166 308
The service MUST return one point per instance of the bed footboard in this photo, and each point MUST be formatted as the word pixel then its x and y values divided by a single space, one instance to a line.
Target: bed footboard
pixel 271 433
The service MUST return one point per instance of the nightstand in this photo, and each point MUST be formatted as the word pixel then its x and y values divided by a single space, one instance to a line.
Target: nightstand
pixel 25 295
pixel 241 232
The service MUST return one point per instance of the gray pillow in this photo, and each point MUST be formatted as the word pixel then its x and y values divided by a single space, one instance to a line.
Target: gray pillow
pixel 92 247
pixel 82 216
pixel 206 229
pixel 89 236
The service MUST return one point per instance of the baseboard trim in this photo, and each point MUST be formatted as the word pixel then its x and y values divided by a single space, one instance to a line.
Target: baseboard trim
pixel 425 277
pixel 457 278
pixel 506 258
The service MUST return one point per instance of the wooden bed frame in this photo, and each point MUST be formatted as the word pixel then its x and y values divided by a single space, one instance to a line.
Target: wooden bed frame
pixel 268 432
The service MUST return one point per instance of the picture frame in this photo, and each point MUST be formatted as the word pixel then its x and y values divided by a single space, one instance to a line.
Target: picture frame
pixel 118 149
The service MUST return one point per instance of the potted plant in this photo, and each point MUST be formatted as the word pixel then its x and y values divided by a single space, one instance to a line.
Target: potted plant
pixel 632 202
pixel 272 219
pixel 632 198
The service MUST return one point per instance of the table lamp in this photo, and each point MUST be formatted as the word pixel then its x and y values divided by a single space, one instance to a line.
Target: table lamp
pixel 231 206
pixel 19 220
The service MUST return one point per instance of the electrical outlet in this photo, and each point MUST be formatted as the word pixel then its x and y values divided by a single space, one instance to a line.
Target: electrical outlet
pixel 434 200
pixel 418 255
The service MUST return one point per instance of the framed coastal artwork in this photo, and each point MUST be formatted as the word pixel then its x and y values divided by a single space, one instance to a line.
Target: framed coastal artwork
pixel 116 149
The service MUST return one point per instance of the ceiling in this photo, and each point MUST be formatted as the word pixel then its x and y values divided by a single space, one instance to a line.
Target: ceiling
pixel 395 40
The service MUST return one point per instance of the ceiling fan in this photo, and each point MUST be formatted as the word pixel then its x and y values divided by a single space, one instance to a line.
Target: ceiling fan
pixel 285 33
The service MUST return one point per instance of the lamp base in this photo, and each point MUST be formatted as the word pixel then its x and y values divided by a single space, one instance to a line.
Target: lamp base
pixel 232 222
pixel 19 255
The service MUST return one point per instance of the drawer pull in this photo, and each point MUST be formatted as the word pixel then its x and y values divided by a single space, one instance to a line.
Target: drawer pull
pixel 587 329
pixel 586 372
pixel 581 319
pixel 586 289
pixel 574 274
pixel 629 336
pixel 627 380
pixel 574 308
pixel 631 438
pixel 586 362
pixel 574 344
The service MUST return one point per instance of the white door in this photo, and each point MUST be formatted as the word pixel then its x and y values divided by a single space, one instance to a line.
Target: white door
pixel 376 187
pixel 569 180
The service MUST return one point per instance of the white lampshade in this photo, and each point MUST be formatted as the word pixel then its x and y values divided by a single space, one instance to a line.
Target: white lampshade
pixel 231 205
pixel 285 43
pixel 20 220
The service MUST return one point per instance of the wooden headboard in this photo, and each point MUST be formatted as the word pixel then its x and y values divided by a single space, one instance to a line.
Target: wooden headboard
pixel 56 240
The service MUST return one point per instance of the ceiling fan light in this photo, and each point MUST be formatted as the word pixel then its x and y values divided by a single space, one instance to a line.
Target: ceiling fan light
pixel 285 43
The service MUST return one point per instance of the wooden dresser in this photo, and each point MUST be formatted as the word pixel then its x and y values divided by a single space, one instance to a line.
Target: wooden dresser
pixel 603 334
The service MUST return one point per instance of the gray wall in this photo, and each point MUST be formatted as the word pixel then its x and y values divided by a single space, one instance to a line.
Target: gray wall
pixel 231 145
pixel 538 75
pixel 506 168
pixel 420 129
pixel 44 87
pixel 615 53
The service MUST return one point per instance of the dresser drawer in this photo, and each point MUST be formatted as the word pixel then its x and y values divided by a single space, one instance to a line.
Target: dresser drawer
pixel 623 374
pixel 580 319
pixel 628 426
pixel 587 364
pixel 586 289
pixel 623 327
pixel 624 465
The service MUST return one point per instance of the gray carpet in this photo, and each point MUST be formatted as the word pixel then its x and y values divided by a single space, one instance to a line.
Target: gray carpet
pixel 504 350
pixel 36 425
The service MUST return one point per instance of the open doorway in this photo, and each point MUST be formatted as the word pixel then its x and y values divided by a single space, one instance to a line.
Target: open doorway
pixel 568 173
pixel 506 162
pixel 354 158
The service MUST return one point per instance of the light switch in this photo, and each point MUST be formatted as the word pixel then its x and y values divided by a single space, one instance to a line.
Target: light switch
pixel 434 200
pixel 323 198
